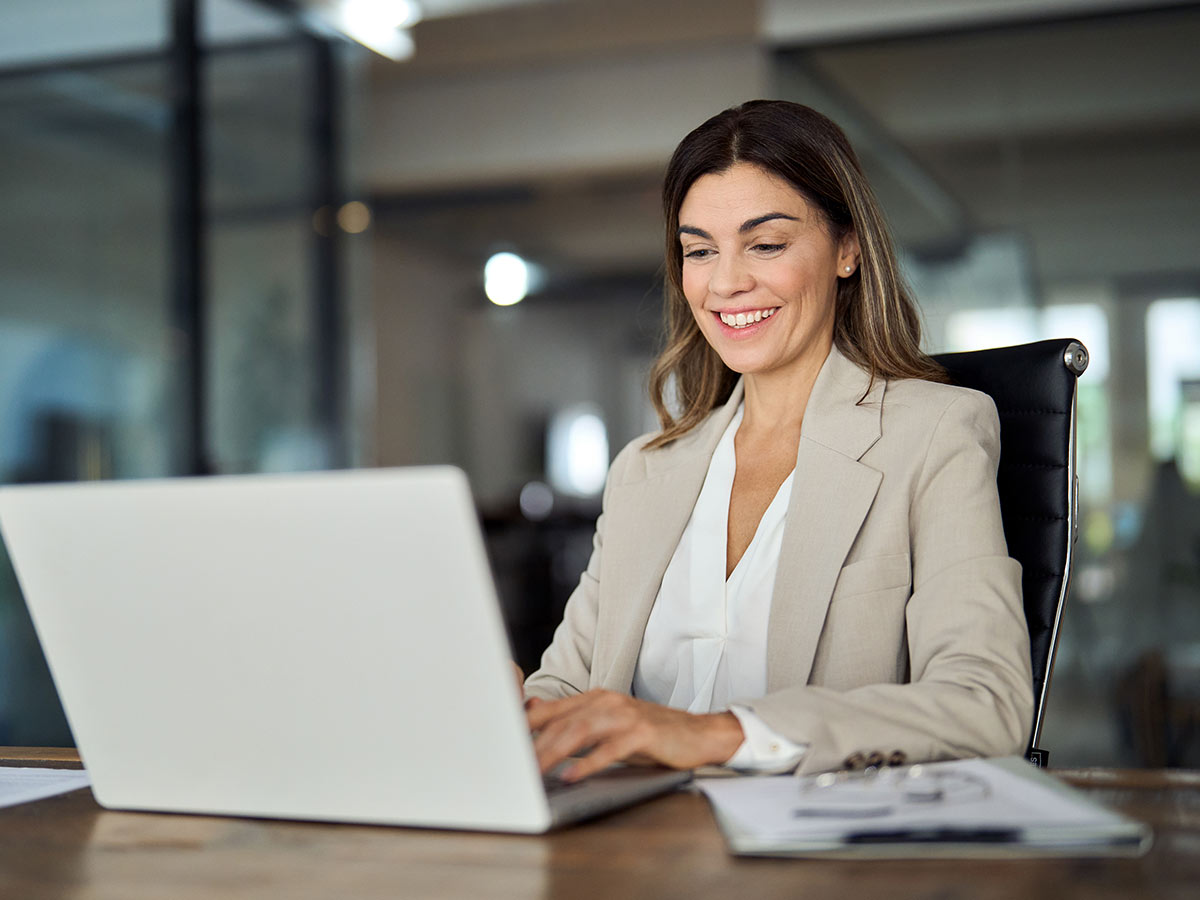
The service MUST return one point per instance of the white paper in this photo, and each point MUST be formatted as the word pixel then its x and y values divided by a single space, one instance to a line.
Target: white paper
pixel 18 785
pixel 972 799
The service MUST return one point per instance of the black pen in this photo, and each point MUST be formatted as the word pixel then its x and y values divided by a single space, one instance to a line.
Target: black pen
pixel 936 836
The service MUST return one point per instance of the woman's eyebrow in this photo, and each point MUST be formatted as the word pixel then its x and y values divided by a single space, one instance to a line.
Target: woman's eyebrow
pixel 751 224
pixel 748 225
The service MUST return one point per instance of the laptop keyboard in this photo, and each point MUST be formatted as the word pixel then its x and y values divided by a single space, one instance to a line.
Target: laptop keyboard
pixel 555 785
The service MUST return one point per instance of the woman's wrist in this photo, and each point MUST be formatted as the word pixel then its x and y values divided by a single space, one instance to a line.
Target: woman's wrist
pixel 724 736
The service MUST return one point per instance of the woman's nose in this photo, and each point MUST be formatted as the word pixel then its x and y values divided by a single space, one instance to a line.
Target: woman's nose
pixel 730 276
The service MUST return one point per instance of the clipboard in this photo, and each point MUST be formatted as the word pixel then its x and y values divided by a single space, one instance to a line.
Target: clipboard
pixel 979 808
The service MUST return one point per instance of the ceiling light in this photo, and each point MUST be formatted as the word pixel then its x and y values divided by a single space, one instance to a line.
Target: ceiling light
pixel 506 279
pixel 379 25
pixel 378 15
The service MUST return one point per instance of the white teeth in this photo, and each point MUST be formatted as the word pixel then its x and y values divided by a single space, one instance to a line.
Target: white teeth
pixel 742 319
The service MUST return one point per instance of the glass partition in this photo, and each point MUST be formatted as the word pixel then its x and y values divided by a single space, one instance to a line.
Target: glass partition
pixel 260 318
pixel 86 346
pixel 93 358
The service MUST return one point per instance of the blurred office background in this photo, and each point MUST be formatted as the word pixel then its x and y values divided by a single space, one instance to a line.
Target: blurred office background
pixel 234 241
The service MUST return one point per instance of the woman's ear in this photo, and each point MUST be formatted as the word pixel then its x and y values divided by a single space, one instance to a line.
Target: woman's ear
pixel 848 254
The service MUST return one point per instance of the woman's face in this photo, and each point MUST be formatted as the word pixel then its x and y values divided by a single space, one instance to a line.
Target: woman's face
pixel 760 270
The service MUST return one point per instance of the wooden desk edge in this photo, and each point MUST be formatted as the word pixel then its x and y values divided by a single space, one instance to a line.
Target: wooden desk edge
pixel 1130 779
pixel 39 757
pixel 1146 779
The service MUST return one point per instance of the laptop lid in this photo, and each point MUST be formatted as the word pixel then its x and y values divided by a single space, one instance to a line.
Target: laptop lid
pixel 321 646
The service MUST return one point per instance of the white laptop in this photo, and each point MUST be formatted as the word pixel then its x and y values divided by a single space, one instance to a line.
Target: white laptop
pixel 322 646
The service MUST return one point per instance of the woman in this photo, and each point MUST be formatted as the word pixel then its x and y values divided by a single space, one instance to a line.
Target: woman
pixel 805 569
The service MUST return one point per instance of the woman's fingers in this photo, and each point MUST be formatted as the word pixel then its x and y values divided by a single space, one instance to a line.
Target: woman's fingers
pixel 613 727
pixel 617 749
pixel 560 740
pixel 609 726
pixel 567 727
pixel 541 713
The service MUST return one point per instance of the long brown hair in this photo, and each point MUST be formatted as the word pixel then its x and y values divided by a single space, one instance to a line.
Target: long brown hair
pixel 876 324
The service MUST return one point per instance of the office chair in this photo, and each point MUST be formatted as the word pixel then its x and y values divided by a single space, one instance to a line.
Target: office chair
pixel 1034 388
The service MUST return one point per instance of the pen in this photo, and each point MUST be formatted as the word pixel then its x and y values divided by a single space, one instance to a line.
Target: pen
pixel 936 836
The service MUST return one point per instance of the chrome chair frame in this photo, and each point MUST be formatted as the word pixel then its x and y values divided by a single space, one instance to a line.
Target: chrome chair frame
pixel 992 371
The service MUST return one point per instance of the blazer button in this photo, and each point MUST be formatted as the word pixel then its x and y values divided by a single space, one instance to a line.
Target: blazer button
pixel 897 758
pixel 854 761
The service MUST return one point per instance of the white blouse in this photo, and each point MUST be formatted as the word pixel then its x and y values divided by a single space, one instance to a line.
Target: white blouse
pixel 706 640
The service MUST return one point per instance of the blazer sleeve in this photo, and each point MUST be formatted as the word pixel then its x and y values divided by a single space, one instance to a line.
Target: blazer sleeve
pixel 970 690
pixel 566 665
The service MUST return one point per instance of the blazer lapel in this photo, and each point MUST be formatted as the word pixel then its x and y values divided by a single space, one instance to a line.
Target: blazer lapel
pixel 659 506
pixel 831 495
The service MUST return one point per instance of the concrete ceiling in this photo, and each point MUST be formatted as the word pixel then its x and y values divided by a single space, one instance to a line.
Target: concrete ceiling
pixel 1076 135
pixel 1084 137
pixel 546 125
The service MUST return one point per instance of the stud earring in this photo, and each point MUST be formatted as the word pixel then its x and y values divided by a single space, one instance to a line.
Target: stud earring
pixel 849 269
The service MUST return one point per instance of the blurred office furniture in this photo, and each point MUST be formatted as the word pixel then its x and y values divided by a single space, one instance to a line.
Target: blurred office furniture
pixel 68 446
pixel 668 847
pixel 1157 695
pixel 1033 386
pixel 1158 707
pixel 537 565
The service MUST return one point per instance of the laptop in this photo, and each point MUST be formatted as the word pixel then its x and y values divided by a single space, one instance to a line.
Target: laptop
pixel 324 646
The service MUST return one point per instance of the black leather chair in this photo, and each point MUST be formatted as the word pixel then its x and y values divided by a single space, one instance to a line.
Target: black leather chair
pixel 1034 387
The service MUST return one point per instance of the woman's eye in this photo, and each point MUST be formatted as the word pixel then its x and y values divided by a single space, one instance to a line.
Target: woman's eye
pixel 698 253
pixel 768 248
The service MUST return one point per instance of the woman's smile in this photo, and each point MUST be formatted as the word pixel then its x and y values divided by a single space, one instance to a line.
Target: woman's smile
pixel 743 323
pixel 742 318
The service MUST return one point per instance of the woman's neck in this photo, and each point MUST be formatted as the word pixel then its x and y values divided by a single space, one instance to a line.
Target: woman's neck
pixel 775 402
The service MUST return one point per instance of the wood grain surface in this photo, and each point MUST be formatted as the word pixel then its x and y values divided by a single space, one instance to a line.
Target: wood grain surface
pixel 68 847
pixel 37 757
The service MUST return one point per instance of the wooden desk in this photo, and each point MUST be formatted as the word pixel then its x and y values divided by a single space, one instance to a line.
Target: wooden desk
pixel 68 847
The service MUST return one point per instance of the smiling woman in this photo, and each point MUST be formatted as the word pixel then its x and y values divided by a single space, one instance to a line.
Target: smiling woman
pixel 805 568
pixel 808 161
pixel 761 287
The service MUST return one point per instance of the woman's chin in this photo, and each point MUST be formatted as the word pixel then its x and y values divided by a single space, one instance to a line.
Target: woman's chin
pixel 744 364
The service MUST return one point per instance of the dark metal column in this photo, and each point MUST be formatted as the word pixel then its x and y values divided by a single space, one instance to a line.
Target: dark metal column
pixel 188 235
pixel 327 199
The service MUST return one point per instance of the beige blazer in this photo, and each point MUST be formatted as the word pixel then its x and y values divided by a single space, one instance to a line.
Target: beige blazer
pixel 896 621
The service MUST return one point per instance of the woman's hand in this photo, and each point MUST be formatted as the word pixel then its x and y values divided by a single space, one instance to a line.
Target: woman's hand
pixel 619 728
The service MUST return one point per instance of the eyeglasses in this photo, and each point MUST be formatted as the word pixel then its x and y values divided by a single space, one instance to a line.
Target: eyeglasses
pixel 882 792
